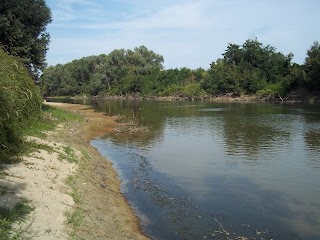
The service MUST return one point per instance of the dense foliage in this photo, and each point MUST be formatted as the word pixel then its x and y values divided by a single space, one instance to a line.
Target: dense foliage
pixel 20 101
pixel 251 68
pixel 120 72
pixel 22 31
pixel 312 66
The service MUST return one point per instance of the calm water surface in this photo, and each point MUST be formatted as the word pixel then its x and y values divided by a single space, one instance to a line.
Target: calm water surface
pixel 205 169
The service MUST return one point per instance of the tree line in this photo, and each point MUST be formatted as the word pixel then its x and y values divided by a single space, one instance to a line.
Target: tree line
pixel 250 68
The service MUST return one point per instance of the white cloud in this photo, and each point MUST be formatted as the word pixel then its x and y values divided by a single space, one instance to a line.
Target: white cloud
pixel 188 33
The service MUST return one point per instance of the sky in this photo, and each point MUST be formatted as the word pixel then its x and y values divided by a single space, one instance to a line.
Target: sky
pixel 187 33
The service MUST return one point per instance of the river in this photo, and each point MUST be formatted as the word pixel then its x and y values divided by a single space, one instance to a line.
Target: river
pixel 219 171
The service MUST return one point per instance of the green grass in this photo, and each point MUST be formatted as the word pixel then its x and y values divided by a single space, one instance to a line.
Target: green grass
pixel 86 155
pixel 20 103
pixel 32 145
pixel 50 118
pixel 75 217
pixel 48 121
pixel 9 216
pixel 68 154
pixel 75 194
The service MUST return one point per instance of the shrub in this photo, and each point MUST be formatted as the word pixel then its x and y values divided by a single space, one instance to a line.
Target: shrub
pixel 20 102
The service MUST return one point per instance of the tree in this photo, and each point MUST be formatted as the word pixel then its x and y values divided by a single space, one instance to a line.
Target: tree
pixel 120 72
pixel 312 66
pixel 22 31
pixel 250 68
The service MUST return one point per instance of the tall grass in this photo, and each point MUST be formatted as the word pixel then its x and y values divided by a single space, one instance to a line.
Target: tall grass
pixel 20 102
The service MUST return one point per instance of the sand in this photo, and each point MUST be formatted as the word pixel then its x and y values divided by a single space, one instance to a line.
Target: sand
pixel 41 178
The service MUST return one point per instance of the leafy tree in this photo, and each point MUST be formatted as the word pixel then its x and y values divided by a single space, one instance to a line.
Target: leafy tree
pixel 312 66
pixel 233 54
pixel 22 31
pixel 250 68
pixel 120 72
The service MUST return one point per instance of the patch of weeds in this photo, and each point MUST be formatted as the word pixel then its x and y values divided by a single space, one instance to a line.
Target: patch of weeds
pixel 46 121
pixel 61 115
pixel 76 195
pixel 50 118
pixel 9 216
pixel 68 150
pixel 4 190
pixel 32 145
pixel 70 180
pixel 75 217
pixel 86 155
pixel 68 154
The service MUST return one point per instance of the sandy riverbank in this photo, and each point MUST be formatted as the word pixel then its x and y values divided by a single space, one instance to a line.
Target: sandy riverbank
pixel 41 178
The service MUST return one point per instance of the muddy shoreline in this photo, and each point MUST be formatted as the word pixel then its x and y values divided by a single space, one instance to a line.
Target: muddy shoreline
pixel 107 212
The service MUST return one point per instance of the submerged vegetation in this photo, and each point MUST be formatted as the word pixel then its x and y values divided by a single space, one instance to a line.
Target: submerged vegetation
pixel 250 69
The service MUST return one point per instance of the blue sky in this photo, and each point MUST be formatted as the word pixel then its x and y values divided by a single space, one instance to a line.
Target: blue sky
pixel 188 33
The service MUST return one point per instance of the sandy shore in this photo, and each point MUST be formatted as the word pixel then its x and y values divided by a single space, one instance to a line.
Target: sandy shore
pixel 41 179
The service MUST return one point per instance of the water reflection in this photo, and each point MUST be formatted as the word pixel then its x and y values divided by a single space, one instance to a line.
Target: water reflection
pixel 252 167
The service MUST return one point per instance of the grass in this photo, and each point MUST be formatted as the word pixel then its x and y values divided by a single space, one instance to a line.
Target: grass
pixel 75 218
pixel 49 119
pixel 76 215
pixel 68 154
pixel 32 145
pixel 86 156
pixel 75 194
pixel 9 216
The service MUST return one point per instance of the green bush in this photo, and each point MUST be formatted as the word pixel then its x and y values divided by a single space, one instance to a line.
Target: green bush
pixel 193 90
pixel 20 102
pixel 272 90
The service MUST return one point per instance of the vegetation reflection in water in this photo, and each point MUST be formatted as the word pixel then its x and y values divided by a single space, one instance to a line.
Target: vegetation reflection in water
pixel 206 170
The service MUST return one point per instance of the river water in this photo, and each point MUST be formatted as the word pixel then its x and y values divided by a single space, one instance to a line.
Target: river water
pixel 219 171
